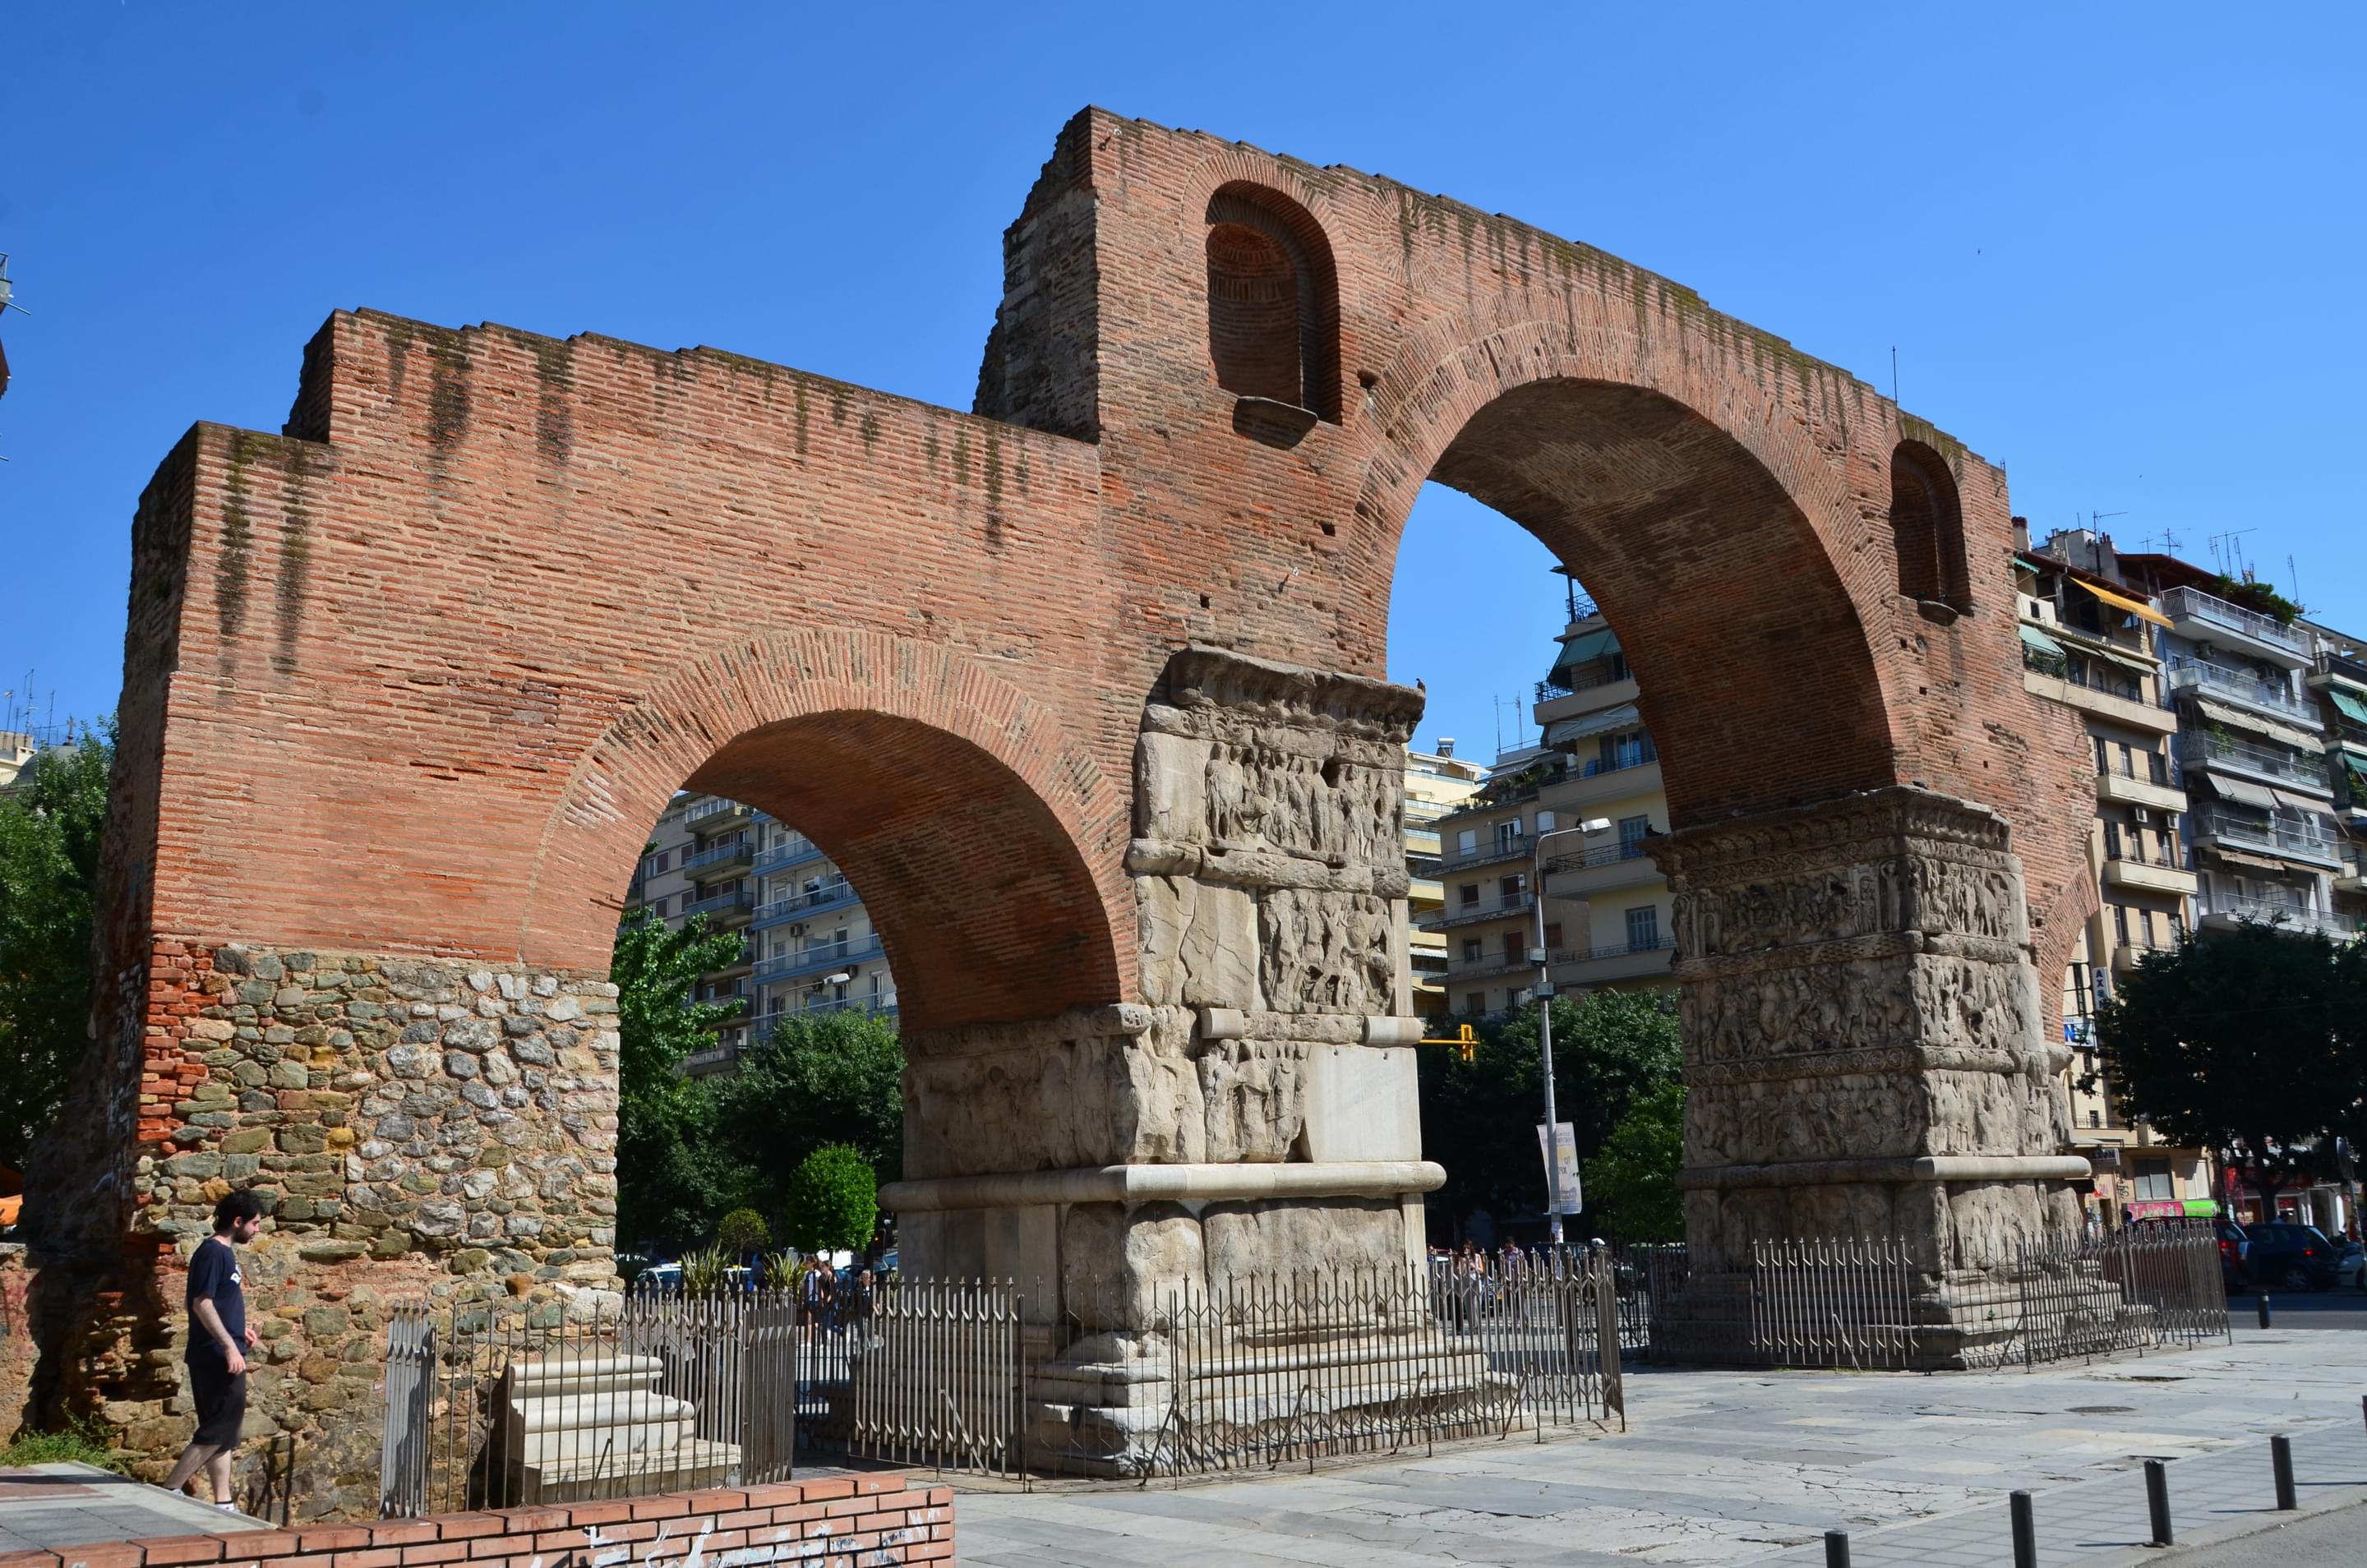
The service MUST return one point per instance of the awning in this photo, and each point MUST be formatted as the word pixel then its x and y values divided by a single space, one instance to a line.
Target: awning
pixel 2251 795
pixel 2129 662
pixel 2237 857
pixel 2353 708
pixel 2136 607
pixel 1561 730
pixel 1583 648
pixel 2309 805
pixel 2236 718
pixel 2039 640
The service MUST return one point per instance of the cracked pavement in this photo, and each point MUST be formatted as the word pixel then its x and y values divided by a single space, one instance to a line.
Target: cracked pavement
pixel 1719 1468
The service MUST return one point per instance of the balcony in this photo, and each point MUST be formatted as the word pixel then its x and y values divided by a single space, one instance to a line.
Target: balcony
pixel 2204 617
pixel 717 860
pixel 1497 908
pixel 2122 790
pixel 716 813
pixel 725 910
pixel 1492 967
pixel 1606 867
pixel 2200 749
pixel 799 905
pixel 797 850
pixel 1612 779
pixel 816 958
pixel 2225 909
pixel 1623 961
pixel 2079 687
pixel 1490 853
pixel 1556 701
pixel 2225 682
pixel 2148 876
pixel 2215 825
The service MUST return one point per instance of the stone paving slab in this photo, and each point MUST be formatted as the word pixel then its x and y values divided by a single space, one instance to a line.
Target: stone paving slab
pixel 1720 1468
pixel 75 1505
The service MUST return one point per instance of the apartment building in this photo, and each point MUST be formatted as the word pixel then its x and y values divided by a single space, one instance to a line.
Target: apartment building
pixel 2338 679
pixel 1606 921
pixel 807 944
pixel 1436 783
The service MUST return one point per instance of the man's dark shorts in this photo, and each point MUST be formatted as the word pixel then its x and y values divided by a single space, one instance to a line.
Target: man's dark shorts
pixel 221 1402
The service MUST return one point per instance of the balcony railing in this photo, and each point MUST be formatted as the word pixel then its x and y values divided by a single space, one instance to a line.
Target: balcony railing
pixel 1597 766
pixel 721 903
pixel 1601 854
pixel 2269 911
pixel 801 903
pixel 821 956
pixel 716 854
pixel 714 808
pixel 2206 679
pixel 1502 849
pixel 2195 748
pixel 2193 604
pixel 1661 944
pixel 2087 674
pixel 1548 690
pixel 1490 909
pixel 2282 837
pixel 781 856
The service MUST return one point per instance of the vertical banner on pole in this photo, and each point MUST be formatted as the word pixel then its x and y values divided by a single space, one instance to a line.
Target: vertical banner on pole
pixel 1560 1154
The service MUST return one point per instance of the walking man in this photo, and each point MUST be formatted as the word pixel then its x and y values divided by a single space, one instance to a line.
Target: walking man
pixel 219 1341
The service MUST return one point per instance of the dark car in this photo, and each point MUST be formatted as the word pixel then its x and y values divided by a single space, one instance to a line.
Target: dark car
pixel 2292 1257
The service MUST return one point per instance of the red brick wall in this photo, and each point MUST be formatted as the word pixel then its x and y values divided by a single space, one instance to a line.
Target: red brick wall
pixel 834 1522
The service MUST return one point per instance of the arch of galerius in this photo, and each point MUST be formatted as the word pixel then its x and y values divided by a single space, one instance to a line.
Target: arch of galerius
pixel 1084 687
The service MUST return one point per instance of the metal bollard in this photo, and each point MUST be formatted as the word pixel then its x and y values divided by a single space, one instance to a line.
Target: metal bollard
pixel 2280 1455
pixel 2025 1532
pixel 1837 1549
pixel 2158 1502
pixel 2263 1298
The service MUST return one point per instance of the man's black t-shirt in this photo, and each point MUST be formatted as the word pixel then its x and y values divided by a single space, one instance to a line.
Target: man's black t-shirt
pixel 214 1276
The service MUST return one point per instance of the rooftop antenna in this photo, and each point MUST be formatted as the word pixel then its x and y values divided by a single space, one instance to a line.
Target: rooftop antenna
pixel 1894 374
pixel 2293 572
pixel 2228 550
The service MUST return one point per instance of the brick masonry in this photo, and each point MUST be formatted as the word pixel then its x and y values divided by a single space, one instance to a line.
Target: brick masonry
pixel 847 1521
pixel 409 680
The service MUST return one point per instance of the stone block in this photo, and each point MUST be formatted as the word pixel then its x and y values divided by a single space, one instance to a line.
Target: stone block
pixel 1302 1237
pixel 1120 1264
pixel 1361 1103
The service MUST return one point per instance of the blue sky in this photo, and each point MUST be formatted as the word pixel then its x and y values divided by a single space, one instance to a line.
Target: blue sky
pixel 2117 247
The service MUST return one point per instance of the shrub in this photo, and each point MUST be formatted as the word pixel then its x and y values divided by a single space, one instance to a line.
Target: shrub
pixel 83 1441
pixel 703 1271
pixel 833 1199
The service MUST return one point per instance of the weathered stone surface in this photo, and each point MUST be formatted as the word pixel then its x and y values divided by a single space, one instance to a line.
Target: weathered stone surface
pixel 1121 1264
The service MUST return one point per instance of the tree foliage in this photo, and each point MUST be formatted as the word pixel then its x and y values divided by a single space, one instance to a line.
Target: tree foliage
pixel 2251 1042
pixel 675 1179
pixel 1611 1049
pixel 742 1232
pixel 832 1077
pixel 51 823
pixel 833 1199
pixel 1631 1183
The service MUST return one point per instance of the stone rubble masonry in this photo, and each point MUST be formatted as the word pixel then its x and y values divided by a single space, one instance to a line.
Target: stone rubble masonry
pixel 424 1129
pixel 875 1521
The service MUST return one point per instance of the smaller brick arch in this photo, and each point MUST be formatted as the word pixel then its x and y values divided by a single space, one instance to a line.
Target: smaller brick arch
pixel 971 825
pixel 1273 299
pixel 1927 528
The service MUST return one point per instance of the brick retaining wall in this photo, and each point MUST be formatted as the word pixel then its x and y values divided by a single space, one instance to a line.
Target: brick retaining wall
pixel 837 1522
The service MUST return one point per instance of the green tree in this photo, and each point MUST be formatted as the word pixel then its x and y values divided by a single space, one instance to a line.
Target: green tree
pixel 833 1078
pixel 50 822
pixel 1631 1183
pixel 2248 1042
pixel 674 1175
pixel 1479 1118
pixel 742 1232
pixel 833 1199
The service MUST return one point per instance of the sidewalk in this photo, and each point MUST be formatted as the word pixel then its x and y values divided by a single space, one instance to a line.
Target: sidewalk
pixel 75 1505
pixel 1720 1468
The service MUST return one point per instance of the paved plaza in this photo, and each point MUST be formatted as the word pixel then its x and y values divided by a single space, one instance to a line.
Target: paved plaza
pixel 1719 1468
pixel 74 1504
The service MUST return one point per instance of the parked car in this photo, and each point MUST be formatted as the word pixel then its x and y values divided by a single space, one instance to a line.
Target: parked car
pixel 2292 1257
pixel 2353 1270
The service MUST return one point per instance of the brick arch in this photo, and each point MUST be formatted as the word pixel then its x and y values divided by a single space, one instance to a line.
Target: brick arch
pixel 1694 511
pixel 986 843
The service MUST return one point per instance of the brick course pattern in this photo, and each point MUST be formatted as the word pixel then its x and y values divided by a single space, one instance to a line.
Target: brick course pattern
pixel 847 1521
pixel 408 681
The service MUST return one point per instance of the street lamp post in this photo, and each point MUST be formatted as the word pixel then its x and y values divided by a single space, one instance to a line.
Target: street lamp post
pixel 1544 961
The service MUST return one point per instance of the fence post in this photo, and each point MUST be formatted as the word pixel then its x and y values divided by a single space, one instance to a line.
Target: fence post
pixel 1606 1338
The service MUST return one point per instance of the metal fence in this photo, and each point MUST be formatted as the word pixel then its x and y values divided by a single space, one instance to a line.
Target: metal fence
pixel 659 1393
pixel 926 1372
pixel 1864 1303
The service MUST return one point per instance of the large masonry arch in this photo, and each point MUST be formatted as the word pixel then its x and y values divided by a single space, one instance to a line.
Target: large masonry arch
pixel 405 682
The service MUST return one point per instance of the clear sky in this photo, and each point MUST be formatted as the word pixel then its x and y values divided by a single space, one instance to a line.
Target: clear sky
pixel 2117 247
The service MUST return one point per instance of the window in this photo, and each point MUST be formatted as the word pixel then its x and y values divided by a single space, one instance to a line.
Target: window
pixel 1472 948
pixel 1466 842
pixel 1513 951
pixel 1545 823
pixel 1644 929
pixel 2149 1180
pixel 1508 837
pixel 1633 831
pixel 2121 923
pixel 2128 761
pixel 1476 1004
pixel 1509 889
pixel 1274 301
pixel 1927 528
pixel 2102 767
pixel 2176 928
pixel 1553 933
pixel 665 859
pixel 2158 766
pixel 1470 895
pixel 2095 1119
pixel 2113 840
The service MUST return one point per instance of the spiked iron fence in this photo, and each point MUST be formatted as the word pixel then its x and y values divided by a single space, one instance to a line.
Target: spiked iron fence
pixel 657 1393
pixel 1862 1303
